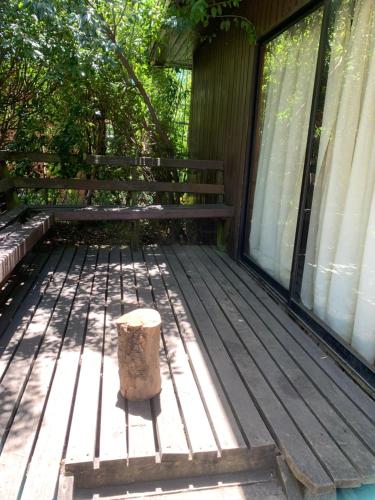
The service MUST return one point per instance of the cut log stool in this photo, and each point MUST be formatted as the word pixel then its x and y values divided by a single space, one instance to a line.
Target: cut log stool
pixel 138 354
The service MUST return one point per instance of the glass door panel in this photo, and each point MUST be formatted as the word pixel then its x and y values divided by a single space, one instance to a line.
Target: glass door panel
pixel 287 84
pixel 338 284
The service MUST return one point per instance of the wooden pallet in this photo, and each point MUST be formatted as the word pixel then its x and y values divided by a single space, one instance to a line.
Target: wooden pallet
pixel 189 429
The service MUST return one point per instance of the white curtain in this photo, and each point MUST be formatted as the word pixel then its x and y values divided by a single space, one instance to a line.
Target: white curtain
pixel 289 72
pixel 339 274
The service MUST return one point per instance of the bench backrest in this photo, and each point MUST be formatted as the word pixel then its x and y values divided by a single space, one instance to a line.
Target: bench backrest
pixel 215 188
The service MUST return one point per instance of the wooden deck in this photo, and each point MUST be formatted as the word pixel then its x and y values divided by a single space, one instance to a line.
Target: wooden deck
pixel 241 382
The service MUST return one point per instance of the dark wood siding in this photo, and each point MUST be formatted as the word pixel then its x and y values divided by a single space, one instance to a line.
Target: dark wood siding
pixel 222 89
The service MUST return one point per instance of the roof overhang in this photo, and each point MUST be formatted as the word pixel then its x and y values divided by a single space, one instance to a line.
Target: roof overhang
pixel 175 47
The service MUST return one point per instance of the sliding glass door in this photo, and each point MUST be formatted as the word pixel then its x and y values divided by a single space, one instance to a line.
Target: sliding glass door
pixel 332 261
pixel 289 64
pixel 338 282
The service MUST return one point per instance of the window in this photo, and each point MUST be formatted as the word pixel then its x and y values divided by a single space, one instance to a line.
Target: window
pixel 328 270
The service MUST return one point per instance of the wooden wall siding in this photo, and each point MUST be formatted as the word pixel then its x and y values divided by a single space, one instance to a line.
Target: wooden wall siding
pixel 222 89
pixel 266 14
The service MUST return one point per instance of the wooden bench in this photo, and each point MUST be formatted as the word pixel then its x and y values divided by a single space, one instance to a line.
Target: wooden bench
pixel 17 238
pixel 217 210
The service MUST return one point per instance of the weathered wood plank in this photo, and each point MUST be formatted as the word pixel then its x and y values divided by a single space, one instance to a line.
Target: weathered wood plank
pixel 141 438
pixel 353 448
pixel 169 425
pixel 227 430
pixel 111 160
pixel 15 246
pixel 116 185
pixel 20 289
pixel 15 378
pixel 329 453
pixel 171 437
pixel 197 424
pixel 23 432
pixel 14 331
pixel 299 455
pixel 6 232
pixel 66 488
pixel 257 435
pixel 148 212
pixel 269 490
pixel 287 329
pixel 291 487
pixel 82 435
pixel 11 215
pixel 17 279
pixel 326 363
pixel 113 418
pixel 48 450
pixel 111 473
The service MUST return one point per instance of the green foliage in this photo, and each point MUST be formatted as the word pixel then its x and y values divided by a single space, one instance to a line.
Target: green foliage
pixel 204 13
pixel 63 88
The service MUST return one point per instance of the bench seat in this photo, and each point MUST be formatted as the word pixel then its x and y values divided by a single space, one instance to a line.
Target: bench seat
pixel 17 239
pixel 95 213
pixel 11 215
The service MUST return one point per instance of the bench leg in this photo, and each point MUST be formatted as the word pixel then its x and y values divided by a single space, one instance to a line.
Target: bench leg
pixel 222 234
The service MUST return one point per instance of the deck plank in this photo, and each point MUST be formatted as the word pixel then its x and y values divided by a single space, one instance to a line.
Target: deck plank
pixel 337 464
pixel 227 429
pixel 82 436
pixel 333 375
pixel 16 376
pixel 141 438
pixel 254 375
pixel 24 311
pixel 49 447
pixel 16 452
pixel 310 471
pixel 113 418
pixel 253 427
pixel 17 278
pixel 358 420
pixel 355 451
pixel 198 428
pixel 177 376
pixel 17 292
pixel 170 427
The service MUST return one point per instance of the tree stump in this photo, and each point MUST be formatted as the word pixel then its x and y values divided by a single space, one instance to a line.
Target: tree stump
pixel 138 354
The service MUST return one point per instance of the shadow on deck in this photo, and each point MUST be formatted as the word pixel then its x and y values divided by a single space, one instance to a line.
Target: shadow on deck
pixel 242 383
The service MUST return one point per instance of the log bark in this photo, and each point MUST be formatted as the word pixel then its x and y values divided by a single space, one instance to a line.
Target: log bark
pixel 138 354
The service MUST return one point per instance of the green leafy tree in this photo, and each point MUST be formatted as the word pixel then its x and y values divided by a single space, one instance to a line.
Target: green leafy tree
pixel 202 14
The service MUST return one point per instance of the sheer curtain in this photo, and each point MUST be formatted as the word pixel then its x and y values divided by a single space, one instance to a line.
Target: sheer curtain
pixel 288 81
pixel 339 273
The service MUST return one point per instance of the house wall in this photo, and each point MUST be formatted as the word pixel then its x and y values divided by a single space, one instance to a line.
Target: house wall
pixel 223 75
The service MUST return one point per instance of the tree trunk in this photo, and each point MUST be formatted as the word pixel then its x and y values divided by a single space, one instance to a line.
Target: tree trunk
pixel 100 149
pixel 142 91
